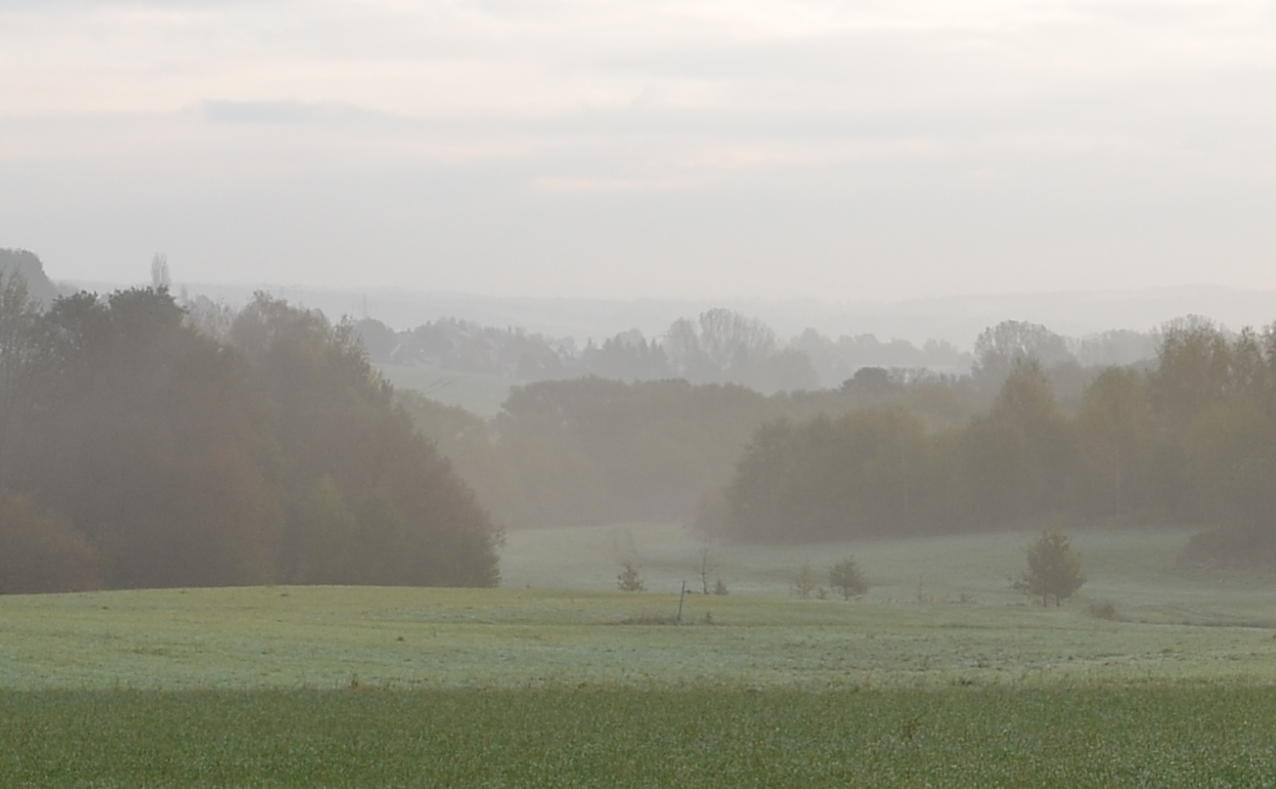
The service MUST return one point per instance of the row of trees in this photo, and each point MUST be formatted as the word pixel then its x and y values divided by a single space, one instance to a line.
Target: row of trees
pixel 138 451
pixel 594 449
pixel 1190 439
pixel 722 346
pixel 590 450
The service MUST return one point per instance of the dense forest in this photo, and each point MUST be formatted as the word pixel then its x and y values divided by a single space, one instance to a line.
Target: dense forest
pixel 138 451
pixel 1189 440
pixel 1029 436
pixel 151 441
pixel 591 450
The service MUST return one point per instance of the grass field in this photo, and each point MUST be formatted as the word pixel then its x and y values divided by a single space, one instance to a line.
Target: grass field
pixel 1147 737
pixel 1133 569
pixel 476 392
pixel 940 675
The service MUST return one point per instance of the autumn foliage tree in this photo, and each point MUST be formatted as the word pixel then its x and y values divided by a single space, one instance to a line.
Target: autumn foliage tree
pixel 179 459
pixel 42 553
pixel 1188 439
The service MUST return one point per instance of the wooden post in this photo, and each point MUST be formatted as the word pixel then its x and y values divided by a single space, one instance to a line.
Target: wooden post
pixel 681 597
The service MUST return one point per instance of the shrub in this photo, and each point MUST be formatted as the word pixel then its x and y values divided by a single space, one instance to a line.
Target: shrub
pixel 629 580
pixel 804 584
pixel 1103 609
pixel 847 579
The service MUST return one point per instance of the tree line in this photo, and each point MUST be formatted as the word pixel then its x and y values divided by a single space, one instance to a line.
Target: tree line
pixel 587 451
pixel 138 451
pixel 590 450
pixel 1189 439
pixel 724 347
pixel 718 346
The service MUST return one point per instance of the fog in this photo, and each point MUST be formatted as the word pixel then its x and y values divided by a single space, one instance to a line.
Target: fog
pixel 589 262
pixel 658 393
pixel 700 151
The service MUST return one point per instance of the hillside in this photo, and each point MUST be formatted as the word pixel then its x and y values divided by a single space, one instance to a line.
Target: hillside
pixel 939 613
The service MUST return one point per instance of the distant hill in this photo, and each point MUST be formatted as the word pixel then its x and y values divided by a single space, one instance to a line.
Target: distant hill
pixel 956 319
pixel 40 288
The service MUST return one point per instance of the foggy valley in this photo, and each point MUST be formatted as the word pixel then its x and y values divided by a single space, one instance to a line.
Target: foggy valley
pixel 678 394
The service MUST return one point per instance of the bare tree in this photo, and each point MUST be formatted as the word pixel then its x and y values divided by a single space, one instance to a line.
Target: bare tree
pixel 161 279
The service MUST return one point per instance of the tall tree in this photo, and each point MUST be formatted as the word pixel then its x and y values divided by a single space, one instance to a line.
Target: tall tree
pixel 998 349
pixel 1116 435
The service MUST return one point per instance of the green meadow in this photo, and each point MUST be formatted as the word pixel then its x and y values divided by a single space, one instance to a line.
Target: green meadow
pixel 1033 737
pixel 940 675
pixel 479 393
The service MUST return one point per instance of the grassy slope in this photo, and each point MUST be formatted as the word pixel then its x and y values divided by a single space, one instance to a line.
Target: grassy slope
pixel 902 634
pixel 548 687
pixel 1135 570
pixel 476 392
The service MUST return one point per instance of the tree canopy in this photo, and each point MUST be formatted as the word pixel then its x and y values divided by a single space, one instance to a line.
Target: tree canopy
pixel 1190 439
pixel 182 460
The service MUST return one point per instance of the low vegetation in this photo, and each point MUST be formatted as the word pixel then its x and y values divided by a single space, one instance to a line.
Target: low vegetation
pixel 970 628
pixel 847 579
pixel 698 736
pixel 586 685
pixel 629 579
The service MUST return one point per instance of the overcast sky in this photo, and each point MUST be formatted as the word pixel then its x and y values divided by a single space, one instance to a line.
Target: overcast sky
pixel 663 148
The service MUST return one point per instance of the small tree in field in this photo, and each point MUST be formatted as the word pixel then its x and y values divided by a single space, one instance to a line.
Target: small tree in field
pixel 847 579
pixel 629 580
pixel 705 566
pixel 804 585
pixel 1054 569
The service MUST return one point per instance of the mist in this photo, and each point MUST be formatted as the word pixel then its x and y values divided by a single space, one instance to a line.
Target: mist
pixel 702 152
pixel 584 393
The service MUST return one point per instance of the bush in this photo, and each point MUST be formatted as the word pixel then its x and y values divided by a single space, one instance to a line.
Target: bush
pixel 1103 609
pixel 629 580
pixel 847 579
pixel 804 584
pixel 39 553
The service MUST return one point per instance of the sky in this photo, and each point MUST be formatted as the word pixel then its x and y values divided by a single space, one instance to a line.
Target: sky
pixel 696 149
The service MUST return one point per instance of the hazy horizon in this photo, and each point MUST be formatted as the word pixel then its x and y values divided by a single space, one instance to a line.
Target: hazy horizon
pixel 704 150
pixel 957 319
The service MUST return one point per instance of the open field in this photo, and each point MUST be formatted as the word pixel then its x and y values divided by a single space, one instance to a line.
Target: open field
pixel 1146 737
pixel 939 614
pixel 478 393
pixel 940 674
pixel 410 638
pixel 1133 569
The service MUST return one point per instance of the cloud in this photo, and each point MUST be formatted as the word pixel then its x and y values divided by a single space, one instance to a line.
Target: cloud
pixel 290 112
pixel 512 140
